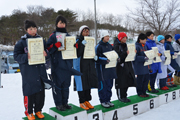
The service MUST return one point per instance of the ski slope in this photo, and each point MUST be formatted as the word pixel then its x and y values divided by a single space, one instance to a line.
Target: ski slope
pixel 12 108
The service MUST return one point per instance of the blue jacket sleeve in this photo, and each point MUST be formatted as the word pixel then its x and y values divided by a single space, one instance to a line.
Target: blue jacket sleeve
pixel 101 58
pixel 51 41
pixel 19 55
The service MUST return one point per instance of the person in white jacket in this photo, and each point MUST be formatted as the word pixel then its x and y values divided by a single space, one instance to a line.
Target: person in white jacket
pixel 162 77
pixel 176 46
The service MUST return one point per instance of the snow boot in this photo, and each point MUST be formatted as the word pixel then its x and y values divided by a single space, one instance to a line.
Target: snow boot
pixel 67 106
pixel 31 117
pixel 105 105
pixel 61 108
pixel 39 115
pixel 111 104
pixel 168 84
pixel 172 83
pixel 176 80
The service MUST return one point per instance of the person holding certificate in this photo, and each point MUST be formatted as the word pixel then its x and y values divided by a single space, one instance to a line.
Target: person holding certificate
pixel 124 70
pixel 33 76
pixel 156 67
pixel 141 71
pixel 105 75
pixel 61 70
pixel 86 66
pixel 162 77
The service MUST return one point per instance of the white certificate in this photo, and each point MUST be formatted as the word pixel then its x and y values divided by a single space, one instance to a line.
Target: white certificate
pixel 158 59
pixel 70 52
pixel 60 37
pixel 132 53
pixel 150 55
pixel 36 49
pixel 168 56
pixel 112 56
pixel 89 51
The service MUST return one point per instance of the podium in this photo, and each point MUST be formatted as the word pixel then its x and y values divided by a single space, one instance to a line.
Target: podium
pixel 46 117
pixel 76 113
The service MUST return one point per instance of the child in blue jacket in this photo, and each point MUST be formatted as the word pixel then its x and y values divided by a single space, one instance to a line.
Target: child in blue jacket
pixel 155 67
pixel 105 75
pixel 141 71
pixel 33 76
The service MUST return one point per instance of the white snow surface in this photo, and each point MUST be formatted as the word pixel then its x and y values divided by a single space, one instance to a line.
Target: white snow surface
pixel 12 107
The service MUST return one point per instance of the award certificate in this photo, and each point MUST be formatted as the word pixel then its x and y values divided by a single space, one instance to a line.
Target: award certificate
pixel 112 56
pixel 158 59
pixel 89 50
pixel 168 56
pixel 36 49
pixel 132 53
pixel 150 55
pixel 70 52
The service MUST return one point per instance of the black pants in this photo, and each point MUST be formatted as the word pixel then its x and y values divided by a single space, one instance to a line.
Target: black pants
pixel 121 92
pixel 152 78
pixel 35 101
pixel 84 95
pixel 142 84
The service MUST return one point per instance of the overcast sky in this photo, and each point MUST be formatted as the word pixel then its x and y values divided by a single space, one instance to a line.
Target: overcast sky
pixel 104 6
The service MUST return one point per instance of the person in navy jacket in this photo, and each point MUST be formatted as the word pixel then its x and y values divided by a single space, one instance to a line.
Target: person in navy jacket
pixel 105 75
pixel 140 70
pixel 33 76
pixel 155 67
pixel 61 70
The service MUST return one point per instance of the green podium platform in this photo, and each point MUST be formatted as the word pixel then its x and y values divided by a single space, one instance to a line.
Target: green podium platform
pixel 46 117
pixel 76 113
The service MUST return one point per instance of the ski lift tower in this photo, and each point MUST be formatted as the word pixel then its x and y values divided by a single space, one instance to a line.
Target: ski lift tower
pixel 0 66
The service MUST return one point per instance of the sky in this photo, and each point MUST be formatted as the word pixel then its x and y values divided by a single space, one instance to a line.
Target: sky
pixel 104 6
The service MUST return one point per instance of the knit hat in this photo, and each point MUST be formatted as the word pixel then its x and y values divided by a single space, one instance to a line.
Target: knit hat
pixel 177 36
pixel 29 23
pixel 104 33
pixel 121 35
pixel 82 28
pixel 160 37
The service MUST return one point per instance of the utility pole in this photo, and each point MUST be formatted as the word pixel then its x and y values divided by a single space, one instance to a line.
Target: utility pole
pixel 95 22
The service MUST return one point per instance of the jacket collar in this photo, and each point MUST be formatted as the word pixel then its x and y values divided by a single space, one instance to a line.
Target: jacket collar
pixel 29 36
pixel 150 41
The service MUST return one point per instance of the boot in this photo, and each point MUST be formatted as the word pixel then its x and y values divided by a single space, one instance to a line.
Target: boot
pixel 61 108
pixel 31 117
pixel 172 83
pixel 105 105
pixel 176 80
pixel 39 115
pixel 67 106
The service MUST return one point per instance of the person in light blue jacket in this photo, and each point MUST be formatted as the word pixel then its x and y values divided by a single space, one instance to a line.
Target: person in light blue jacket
pixel 162 77
pixel 156 67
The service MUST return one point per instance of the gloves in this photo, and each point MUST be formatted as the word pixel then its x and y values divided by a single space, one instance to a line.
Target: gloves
pixel 154 58
pixel 169 75
pixel 146 58
pixel 84 42
pixel 58 44
pixel 108 61
pixel 76 45
pixel 150 71
pixel 96 58
pixel 118 60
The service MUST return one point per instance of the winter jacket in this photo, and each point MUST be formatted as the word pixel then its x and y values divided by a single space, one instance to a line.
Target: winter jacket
pixel 176 47
pixel 61 70
pixel 168 46
pixel 33 76
pixel 155 67
pixel 102 72
pixel 163 67
pixel 139 61
pixel 124 70
pixel 86 66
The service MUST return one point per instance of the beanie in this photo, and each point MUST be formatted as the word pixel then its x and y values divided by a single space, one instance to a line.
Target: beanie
pixel 82 28
pixel 29 23
pixel 177 36
pixel 104 33
pixel 121 35
pixel 160 37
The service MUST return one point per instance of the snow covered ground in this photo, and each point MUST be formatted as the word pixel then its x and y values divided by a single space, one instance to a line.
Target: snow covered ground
pixel 12 108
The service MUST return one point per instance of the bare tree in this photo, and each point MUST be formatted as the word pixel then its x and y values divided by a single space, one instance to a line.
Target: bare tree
pixel 159 15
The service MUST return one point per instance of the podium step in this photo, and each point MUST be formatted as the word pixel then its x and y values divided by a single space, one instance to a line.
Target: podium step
pixel 46 117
